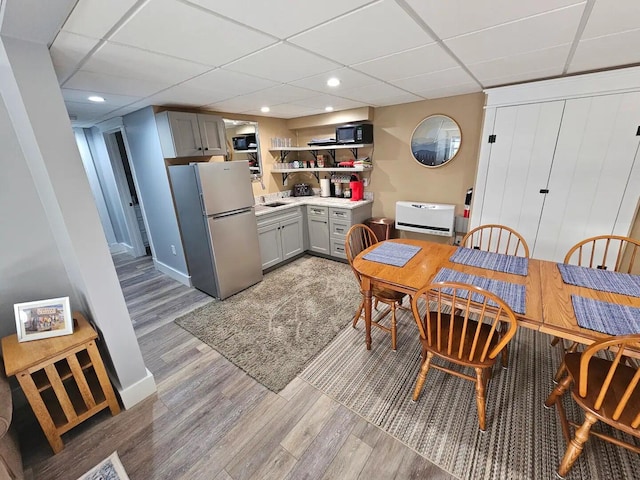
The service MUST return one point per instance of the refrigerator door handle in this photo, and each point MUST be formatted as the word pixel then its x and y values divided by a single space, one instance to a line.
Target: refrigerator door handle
pixel 202 203
pixel 232 212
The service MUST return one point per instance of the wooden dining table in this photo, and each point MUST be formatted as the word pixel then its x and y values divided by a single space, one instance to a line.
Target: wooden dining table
pixel 548 306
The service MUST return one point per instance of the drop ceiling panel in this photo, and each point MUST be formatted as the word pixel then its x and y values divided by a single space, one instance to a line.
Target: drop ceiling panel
pixel 348 79
pixel 528 35
pixel 183 31
pixel 322 101
pixel 380 29
pixel 111 101
pixel 536 64
pixel 286 110
pixel 612 17
pixel 268 97
pixel 450 91
pixel 410 63
pixel 230 84
pixel 67 51
pixel 608 51
pixel 94 110
pixel 94 18
pixel 374 94
pixel 282 63
pixel 430 81
pixel 112 84
pixel 398 99
pixel 138 64
pixel 269 16
pixel 456 17
pixel 182 95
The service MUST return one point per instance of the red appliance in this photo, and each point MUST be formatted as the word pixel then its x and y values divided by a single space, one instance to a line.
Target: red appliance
pixel 357 189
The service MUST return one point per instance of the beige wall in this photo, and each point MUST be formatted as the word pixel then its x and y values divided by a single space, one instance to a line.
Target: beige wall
pixel 397 176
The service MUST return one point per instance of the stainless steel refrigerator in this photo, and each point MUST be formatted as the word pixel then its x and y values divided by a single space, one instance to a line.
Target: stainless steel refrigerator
pixel 215 207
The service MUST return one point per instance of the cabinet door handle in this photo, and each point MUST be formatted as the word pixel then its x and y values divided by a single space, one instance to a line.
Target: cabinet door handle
pixel 340 214
pixel 206 148
pixel 340 249
pixel 340 230
pixel 544 190
pixel 199 148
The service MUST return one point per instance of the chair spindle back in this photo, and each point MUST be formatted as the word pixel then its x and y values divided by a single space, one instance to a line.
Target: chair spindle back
pixel 597 252
pixel 468 334
pixel 497 239
pixel 619 343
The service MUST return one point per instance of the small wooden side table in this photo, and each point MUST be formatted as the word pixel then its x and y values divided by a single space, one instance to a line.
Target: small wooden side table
pixel 63 378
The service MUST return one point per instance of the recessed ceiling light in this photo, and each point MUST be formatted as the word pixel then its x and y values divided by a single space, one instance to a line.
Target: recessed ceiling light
pixel 333 82
pixel 328 109
pixel 96 98
pixel 265 109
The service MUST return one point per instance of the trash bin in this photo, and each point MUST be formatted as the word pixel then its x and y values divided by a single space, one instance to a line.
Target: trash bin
pixel 384 228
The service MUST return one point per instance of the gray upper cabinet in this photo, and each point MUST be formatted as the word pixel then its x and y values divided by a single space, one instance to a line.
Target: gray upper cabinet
pixel 184 134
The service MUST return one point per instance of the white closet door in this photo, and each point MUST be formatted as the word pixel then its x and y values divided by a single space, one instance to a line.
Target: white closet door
pixel 519 165
pixel 591 168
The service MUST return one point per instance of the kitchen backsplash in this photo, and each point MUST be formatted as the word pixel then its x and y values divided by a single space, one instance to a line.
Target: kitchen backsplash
pixel 272 197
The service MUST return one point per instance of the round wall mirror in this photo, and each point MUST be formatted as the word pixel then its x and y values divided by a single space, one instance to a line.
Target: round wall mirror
pixel 435 141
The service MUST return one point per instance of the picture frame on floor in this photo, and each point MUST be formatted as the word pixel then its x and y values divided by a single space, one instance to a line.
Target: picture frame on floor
pixel 43 319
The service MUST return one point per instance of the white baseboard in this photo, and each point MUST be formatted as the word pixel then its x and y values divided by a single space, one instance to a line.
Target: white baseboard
pixel 137 392
pixel 173 273
pixel 118 248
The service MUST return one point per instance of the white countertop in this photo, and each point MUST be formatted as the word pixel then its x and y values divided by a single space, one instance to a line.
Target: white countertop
pixel 290 202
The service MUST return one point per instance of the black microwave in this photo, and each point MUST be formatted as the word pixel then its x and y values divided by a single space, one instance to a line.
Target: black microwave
pixel 360 133
pixel 245 142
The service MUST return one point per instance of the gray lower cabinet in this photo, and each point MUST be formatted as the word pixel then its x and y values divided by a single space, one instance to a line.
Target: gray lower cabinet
pixel 340 221
pixel 328 227
pixel 318 222
pixel 280 236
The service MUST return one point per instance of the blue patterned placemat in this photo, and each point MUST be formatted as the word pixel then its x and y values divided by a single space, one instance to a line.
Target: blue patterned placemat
pixel 609 318
pixel 491 261
pixel 513 294
pixel 392 253
pixel 602 280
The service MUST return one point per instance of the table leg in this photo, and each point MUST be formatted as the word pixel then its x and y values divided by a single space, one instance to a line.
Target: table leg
pixel 40 410
pixel 366 290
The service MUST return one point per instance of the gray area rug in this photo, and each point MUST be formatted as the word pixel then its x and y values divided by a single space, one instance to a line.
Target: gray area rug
pixel 522 441
pixel 273 329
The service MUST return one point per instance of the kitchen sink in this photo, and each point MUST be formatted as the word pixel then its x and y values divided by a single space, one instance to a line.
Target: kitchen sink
pixel 275 204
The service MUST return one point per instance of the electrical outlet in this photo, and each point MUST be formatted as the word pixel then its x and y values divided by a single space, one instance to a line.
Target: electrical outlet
pixel 365 182
pixel 173 249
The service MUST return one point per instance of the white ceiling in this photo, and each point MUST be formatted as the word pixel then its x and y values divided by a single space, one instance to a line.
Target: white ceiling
pixel 240 55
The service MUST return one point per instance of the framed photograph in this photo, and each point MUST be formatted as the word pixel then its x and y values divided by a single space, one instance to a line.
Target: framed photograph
pixel 43 319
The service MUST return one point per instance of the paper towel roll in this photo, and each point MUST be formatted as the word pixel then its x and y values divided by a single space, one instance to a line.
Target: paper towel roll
pixel 325 187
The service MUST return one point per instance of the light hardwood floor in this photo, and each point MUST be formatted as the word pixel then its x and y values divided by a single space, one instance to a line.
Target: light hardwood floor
pixel 211 421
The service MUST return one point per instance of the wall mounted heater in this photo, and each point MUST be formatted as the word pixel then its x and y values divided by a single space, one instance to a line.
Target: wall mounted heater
pixel 430 218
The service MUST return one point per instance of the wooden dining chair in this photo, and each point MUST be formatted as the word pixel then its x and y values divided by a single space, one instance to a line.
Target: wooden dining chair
pixel 497 239
pixel 468 338
pixel 359 238
pixel 599 252
pixel 605 252
pixel 607 390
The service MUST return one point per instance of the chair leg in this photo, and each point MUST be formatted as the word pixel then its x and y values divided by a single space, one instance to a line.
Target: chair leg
pixel 375 304
pixel 505 351
pixel 574 449
pixel 394 327
pixel 558 392
pixel 563 367
pixel 422 376
pixel 358 314
pixel 481 385
pixel 554 341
